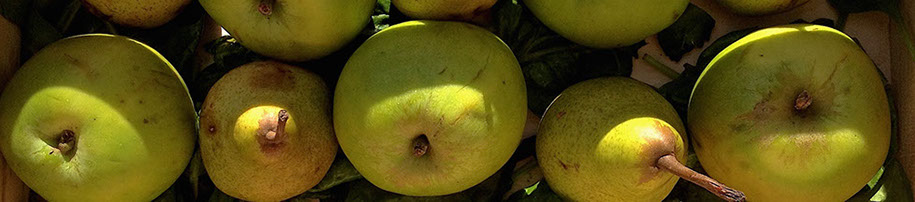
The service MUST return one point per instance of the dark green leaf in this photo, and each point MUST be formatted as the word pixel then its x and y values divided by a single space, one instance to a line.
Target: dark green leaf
pixel 550 62
pixel 690 31
pixel 16 11
pixel 341 171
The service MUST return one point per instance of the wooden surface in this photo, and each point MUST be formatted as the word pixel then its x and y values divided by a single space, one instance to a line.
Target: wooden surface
pixel 904 67
pixel 11 188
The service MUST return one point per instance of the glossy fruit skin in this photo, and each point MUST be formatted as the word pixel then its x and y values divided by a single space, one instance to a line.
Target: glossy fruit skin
pixel 415 79
pixel 760 7
pixel 141 14
pixel 293 30
pixel 443 9
pixel 129 109
pixel 607 23
pixel 235 114
pixel 748 134
pixel 601 138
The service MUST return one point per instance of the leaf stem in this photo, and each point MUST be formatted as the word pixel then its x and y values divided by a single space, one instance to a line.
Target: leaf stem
pixel 664 69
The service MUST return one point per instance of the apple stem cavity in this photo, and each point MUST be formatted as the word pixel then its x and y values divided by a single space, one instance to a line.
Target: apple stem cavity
pixel 67 141
pixel 266 7
pixel 670 164
pixel 803 101
pixel 420 145
pixel 277 135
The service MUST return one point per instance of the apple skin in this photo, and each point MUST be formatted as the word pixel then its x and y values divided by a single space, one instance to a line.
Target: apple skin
pixel 234 150
pixel 141 14
pixel 413 80
pixel 131 113
pixel 607 23
pixel 600 140
pixel 294 30
pixel 748 134
pixel 443 9
pixel 760 7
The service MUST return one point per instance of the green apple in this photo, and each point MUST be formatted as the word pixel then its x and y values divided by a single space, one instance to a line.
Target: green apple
pixel 444 9
pixel 791 113
pixel 266 132
pixel 292 30
pixel 615 139
pixel 84 123
pixel 427 108
pixel 607 23
pixel 760 7
pixel 142 14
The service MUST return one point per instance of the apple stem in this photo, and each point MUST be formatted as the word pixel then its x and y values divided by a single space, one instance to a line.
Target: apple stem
pixel 277 135
pixel 420 145
pixel 266 7
pixel 803 101
pixel 65 143
pixel 670 164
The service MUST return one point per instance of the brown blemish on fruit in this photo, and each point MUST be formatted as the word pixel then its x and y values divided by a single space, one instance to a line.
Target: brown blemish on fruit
pixel 662 144
pixel 145 121
pixel 279 76
pixel 560 114
pixel 566 166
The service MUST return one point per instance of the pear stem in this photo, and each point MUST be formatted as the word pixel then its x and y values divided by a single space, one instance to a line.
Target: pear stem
pixel 266 7
pixel 277 135
pixel 66 141
pixel 803 101
pixel 420 145
pixel 670 164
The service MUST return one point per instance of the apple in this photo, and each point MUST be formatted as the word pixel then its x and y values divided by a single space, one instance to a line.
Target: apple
pixel 428 108
pixel 141 14
pixel 444 9
pixel 292 30
pixel 83 123
pixel 760 7
pixel 607 23
pixel 266 132
pixel 791 113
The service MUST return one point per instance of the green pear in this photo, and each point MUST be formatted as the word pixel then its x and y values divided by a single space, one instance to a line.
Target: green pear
pixel 607 23
pixel 292 30
pixel 791 113
pixel 84 123
pixel 615 139
pixel 266 132
pixel 444 9
pixel 760 7
pixel 428 108
pixel 141 14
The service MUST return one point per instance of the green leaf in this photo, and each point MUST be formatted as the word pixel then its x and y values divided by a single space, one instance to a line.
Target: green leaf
pixel 539 192
pixel 341 171
pixel 16 11
pixel 550 62
pixel 690 31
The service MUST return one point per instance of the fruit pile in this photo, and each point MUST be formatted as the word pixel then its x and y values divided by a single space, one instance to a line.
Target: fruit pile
pixel 444 100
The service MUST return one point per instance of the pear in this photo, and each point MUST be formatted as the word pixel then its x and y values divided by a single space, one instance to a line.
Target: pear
pixel 791 113
pixel 444 9
pixel 266 132
pixel 136 13
pixel 616 139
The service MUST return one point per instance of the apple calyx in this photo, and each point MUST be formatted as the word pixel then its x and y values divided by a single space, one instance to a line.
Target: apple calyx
pixel 670 164
pixel 276 135
pixel 266 7
pixel 420 145
pixel 66 141
pixel 802 101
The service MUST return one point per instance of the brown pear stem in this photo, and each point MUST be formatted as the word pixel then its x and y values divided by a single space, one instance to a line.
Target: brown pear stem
pixel 266 7
pixel 670 164
pixel 803 101
pixel 277 135
pixel 66 141
pixel 420 145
